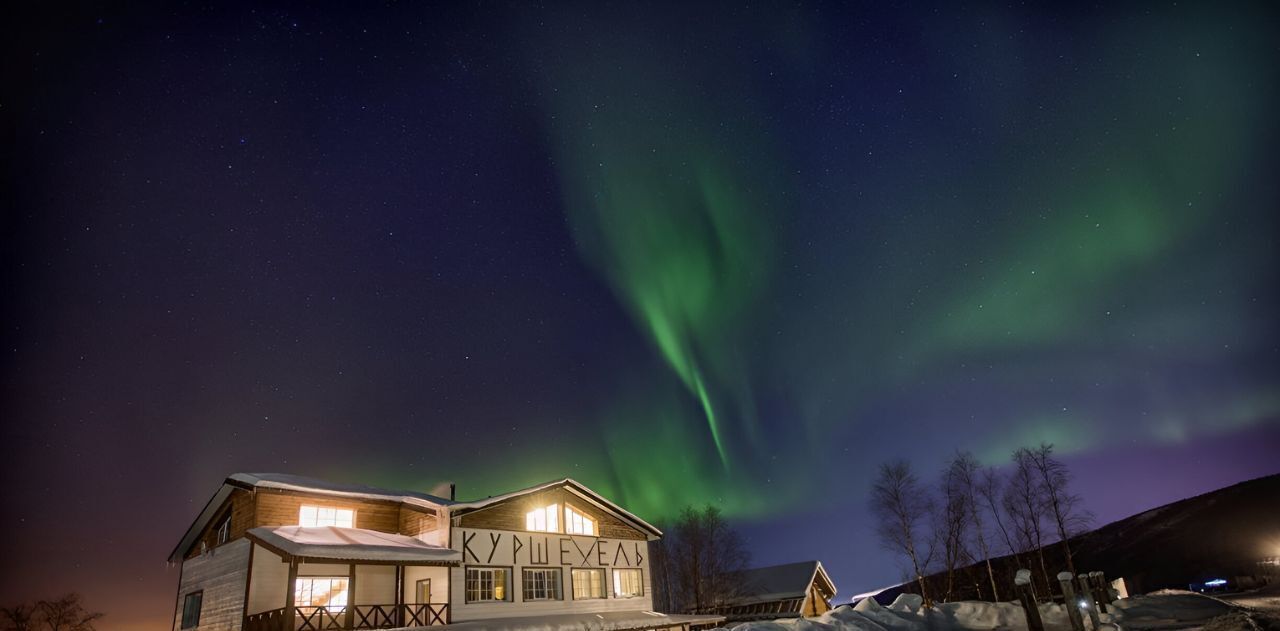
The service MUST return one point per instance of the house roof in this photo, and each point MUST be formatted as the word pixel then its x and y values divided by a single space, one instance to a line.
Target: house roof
pixel 285 481
pixel 351 544
pixel 291 482
pixel 573 486
pixel 783 582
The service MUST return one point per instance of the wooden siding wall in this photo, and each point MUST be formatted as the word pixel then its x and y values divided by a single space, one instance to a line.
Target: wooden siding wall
pixel 221 574
pixel 415 521
pixel 280 508
pixel 510 514
pixel 240 503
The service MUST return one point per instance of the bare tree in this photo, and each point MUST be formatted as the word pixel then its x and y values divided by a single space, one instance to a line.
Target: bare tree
pixel 951 522
pixel 18 618
pixel 660 571
pixel 706 560
pixel 1065 508
pixel 899 504
pixel 63 614
pixel 964 470
pixel 1025 503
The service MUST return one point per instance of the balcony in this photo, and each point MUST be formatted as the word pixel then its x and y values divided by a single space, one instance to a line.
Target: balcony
pixel 350 618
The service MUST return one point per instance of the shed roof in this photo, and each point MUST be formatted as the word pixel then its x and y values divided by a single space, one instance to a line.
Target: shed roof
pixel 351 544
pixel 783 582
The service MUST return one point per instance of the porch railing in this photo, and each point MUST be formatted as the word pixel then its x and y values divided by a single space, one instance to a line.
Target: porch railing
pixel 363 617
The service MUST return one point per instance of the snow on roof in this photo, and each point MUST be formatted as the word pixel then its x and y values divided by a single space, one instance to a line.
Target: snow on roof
pixel 604 621
pixel 299 483
pixel 350 544
pixel 578 486
pixel 780 582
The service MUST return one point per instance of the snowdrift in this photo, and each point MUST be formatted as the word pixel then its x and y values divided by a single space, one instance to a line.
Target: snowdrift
pixel 1173 608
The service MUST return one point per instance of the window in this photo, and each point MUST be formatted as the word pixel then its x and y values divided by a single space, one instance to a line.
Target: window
pixel 543 519
pixel 327 591
pixel 487 584
pixel 542 584
pixel 626 584
pixel 576 523
pixel 587 584
pixel 323 516
pixel 191 610
pixel 224 530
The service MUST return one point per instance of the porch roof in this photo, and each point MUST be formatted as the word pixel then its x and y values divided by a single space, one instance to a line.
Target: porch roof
pixel 331 543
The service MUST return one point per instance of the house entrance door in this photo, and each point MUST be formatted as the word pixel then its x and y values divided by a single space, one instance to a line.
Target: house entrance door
pixel 423 591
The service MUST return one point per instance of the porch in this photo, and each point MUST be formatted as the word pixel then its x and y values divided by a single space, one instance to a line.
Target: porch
pixel 330 578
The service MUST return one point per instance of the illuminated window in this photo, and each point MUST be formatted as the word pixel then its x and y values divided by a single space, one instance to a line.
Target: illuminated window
pixel 191 609
pixel 542 584
pixel 576 523
pixel 323 516
pixel 543 519
pixel 587 584
pixel 487 584
pixel 626 584
pixel 329 592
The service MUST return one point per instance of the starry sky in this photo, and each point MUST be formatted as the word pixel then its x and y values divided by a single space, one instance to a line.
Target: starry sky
pixel 727 254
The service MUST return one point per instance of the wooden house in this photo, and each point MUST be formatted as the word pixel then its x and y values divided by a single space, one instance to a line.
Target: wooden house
pixel 275 552
pixel 791 590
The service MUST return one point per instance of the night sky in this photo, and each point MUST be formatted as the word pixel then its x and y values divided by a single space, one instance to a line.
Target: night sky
pixel 737 255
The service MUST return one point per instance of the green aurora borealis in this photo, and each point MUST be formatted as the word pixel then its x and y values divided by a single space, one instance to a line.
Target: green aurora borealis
pixel 957 244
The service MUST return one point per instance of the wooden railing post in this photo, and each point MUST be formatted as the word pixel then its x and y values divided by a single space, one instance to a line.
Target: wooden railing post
pixel 1099 586
pixel 288 620
pixel 1087 600
pixel 1027 598
pixel 1069 599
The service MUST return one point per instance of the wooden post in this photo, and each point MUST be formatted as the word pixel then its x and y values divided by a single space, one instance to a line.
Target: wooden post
pixel 290 619
pixel 351 597
pixel 1099 590
pixel 1087 600
pixel 1070 600
pixel 399 603
pixel 1027 598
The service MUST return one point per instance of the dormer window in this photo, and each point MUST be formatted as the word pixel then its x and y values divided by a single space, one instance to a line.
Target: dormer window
pixel 325 516
pixel 576 523
pixel 545 519
pixel 224 530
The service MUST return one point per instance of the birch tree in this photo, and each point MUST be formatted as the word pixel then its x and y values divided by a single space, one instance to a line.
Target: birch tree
pixel 965 470
pixel 1064 508
pixel 899 504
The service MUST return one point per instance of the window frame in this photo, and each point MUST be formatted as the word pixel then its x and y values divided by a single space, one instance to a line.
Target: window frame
pixel 550 515
pixel 573 585
pixel 639 582
pixel 222 533
pixel 302 508
pixel 506 588
pixel 342 607
pixel 558 582
pixel 186 601
pixel 583 518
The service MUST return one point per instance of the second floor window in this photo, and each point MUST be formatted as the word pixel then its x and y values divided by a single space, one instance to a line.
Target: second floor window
pixel 576 523
pixel 326 516
pixel 545 519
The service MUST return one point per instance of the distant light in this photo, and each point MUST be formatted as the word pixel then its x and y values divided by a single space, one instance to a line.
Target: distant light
pixel 1215 582
pixel 1084 604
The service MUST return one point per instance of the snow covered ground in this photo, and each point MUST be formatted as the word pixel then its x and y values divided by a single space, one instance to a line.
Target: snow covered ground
pixel 1161 610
